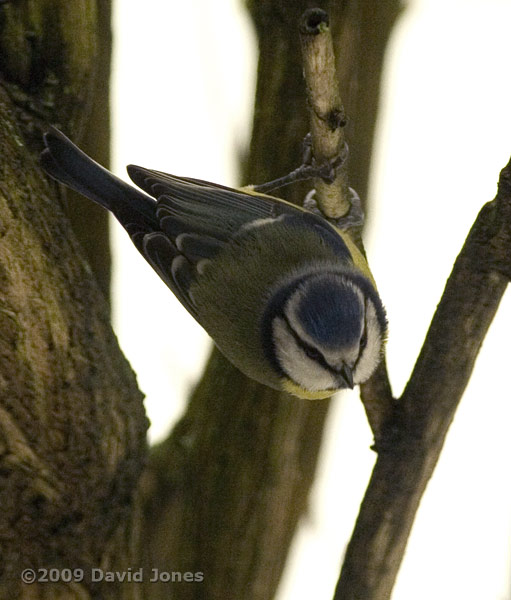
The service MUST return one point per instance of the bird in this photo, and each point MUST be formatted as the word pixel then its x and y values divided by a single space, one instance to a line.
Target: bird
pixel 286 295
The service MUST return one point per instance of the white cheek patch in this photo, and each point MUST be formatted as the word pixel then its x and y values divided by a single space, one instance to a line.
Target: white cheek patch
pixel 371 354
pixel 296 364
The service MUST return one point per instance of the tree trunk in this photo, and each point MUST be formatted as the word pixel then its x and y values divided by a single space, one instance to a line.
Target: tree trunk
pixel 72 423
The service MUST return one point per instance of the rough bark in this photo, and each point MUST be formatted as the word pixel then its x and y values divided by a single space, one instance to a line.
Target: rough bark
pixel 72 423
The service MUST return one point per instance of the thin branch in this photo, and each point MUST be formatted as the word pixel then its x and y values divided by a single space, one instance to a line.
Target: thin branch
pixel 422 417
pixel 327 120
pixel 327 117
pixel 379 403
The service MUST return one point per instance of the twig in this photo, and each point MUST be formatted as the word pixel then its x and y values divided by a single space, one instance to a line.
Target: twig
pixel 327 122
pixel 326 111
pixel 422 417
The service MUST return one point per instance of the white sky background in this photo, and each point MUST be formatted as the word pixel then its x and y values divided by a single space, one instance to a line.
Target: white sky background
pixel 182 104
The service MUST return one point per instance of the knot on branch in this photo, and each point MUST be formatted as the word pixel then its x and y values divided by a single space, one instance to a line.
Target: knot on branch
pixel 335 119
pixel 314 21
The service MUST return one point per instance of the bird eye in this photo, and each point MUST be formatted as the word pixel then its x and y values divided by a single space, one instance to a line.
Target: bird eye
pixel 313 354
pixel 363 341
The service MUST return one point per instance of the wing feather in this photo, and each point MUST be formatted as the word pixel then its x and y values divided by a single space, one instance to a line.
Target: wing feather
pixel 186 205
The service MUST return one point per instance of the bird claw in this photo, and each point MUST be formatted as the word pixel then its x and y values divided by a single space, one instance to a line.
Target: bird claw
pixel 327 171
pixel 353 219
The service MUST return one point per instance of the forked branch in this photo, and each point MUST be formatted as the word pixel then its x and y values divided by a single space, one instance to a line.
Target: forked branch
pixel 421 418
pixel 409 432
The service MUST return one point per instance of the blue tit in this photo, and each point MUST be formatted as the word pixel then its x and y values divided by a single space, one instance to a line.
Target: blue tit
pixel 286 296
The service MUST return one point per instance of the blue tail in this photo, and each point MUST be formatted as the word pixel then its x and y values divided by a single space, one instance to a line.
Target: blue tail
pixel 68 164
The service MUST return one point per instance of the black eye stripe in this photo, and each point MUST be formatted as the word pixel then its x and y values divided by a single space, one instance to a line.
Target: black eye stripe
pixel 362 337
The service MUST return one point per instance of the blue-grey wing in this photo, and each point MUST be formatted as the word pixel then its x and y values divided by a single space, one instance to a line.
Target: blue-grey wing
pixel 203 216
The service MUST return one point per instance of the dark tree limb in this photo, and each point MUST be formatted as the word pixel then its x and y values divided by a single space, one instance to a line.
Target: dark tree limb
pixel 72 422
pixel 421 418
pixel 90 222
pixel 47 72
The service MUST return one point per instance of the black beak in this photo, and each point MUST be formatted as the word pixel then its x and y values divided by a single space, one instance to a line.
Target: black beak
pixel 346 376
